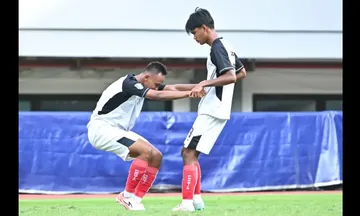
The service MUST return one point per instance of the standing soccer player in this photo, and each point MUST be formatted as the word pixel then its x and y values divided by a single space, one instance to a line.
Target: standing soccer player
pixel 109 128
pixel 224 69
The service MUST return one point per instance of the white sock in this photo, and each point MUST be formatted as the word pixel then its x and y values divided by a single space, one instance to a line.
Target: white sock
pixel 187 203
pixel 197 198
pixel 137 199
pixel 128 194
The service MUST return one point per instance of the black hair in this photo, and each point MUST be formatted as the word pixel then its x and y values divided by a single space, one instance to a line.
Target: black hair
pixel 198 18
pixel 156 67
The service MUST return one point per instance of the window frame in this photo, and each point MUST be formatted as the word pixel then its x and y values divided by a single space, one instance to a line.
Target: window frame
pixel 320 99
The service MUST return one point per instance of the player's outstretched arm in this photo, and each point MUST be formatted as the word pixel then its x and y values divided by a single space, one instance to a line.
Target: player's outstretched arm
pixel 166 95
pixel 179 87
pixel 133 87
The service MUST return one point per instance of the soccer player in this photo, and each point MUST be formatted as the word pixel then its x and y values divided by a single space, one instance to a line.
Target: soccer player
pixel 109 128
pixel 223 70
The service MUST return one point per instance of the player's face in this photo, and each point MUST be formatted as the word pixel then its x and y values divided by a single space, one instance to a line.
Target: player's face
pixel 153 81
pixel 200 35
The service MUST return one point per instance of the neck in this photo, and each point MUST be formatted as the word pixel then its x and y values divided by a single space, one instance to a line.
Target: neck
pixel 212 37
pixel 140 77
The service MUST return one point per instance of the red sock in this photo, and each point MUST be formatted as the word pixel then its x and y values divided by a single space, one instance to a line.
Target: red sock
pixel 137 170
pixel 198 183
pixel 146 182
pixel 189 181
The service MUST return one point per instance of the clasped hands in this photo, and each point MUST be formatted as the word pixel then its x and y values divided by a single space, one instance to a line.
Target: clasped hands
pixel 198 91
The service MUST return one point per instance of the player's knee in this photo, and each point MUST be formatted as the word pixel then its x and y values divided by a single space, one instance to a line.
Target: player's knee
pixel 156 155
pixel 147 153
pixel 182 151
pixel 152 154
pixel 189 155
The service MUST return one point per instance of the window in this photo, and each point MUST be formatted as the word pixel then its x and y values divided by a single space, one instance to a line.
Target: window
pixel 296 103
pixel 333 105
pixel 67 105
pixel 157 106
pixel 286 105
pixel 60 102
pixel 24 105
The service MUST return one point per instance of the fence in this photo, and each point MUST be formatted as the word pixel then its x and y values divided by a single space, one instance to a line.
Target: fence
pixel 256 151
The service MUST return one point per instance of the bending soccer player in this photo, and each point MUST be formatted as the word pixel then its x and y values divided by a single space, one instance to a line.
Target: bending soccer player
pixel 109 128
pixel 223 70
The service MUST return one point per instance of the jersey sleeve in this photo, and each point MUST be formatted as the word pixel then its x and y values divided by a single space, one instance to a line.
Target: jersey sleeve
pixel 220 58
pixel 238 64
pixel 133 87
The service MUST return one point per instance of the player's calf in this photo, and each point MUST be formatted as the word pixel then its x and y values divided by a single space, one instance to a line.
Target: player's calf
pixel 150 175
pixel 143 171
pixel 189 181
pixel 147 158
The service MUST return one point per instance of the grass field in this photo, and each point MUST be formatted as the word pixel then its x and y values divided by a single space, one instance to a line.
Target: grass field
pixel 237 205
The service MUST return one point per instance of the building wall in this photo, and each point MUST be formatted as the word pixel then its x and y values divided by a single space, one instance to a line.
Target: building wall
pixel 288 81
pixel 88 82
pixel 261 81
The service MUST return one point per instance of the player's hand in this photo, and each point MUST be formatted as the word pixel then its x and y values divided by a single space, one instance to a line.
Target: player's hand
pixel 198 91
pixel 197 95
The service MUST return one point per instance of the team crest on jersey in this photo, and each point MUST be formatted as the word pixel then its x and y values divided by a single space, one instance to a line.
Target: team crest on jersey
pixel 139 86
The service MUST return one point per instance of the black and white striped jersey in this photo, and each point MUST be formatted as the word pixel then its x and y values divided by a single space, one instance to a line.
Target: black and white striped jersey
pixel 218 100
pixel 121 102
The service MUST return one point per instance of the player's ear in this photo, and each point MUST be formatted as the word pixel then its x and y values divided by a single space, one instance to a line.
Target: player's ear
pixel 146 77
pixel 204 28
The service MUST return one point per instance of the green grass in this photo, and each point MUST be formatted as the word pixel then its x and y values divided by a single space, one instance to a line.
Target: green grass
pixel 244 205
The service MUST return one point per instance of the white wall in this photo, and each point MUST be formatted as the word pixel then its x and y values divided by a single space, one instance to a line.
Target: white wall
pixel 135 44
pixel 308 15
pixel 289 81
pixel 119 28
pixel 88 81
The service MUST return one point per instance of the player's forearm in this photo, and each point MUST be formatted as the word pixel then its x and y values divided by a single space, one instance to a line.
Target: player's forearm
pixel 184 87
pixel 179 87
pixel 168 95
pixel 225 79
pixel 241 74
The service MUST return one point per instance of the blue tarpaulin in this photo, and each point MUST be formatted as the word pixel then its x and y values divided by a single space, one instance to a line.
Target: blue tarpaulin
pixel 256 151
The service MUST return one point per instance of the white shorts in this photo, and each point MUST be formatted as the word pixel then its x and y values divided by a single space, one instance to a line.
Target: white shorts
pixel 204 133
pixel 106 137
